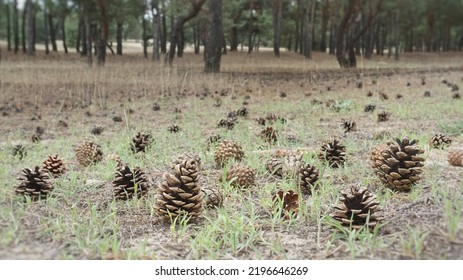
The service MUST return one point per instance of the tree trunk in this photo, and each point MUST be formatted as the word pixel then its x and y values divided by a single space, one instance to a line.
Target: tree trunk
pixel 325 18
pixel 89 34
pixel 195 38
pixel 8 26
pixel 333 29
pixel 16 26
pixel 83 35
pixel 224 44
pixel 156 30
pixel 234 32
pixel 144 39
pixel 63 33
pixel 369 35
pixel 277 6
pixel 29 7
pixel 308 23
pixel 79 35
pixel 119 35
pixel 181 43
pixel 296 23
pixel 103 37
pixel 430 30
pixel 214 37
pixel 23 31
pixel 250 25
pixel 45 27
pixel 196 7
pixel 52 33
pixel 163 29
pixel 396 35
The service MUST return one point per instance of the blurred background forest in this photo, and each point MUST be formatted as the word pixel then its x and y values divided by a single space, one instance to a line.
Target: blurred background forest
pixel 344 28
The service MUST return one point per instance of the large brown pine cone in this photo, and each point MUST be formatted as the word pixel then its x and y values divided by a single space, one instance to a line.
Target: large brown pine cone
pixel 376 157
pixel 333 152
pixel 35 183
pixel 212 197
pixel 308 176
pixel 140 142
pixel 356 205
pixel 455 157
pixel 128 183
pixel 286 203
pixel 88 153
pixel 241 175
pixel 227 150
pixel 179 193
pixel 54 165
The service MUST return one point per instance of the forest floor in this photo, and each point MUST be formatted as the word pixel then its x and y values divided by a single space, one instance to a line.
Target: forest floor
pixel 81 220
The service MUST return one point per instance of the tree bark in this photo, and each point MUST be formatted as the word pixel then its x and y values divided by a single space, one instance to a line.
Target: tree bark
pixel 52 29
pixel 234 32
pixel 430 30
pixel 296 23
pixel 103 37
pixel 79 35
pixel 277 6
pixel 214 37
pixel 8 26
pixel 181 43
pixel 196 37
pixel 83 35
pixel 333 29
pixel 156 30
pixel 309 18
pixel 163 29
pixel 15 26
pixel 89 34
pixel 196 7
pixel 63 33
pixel 325 18
pixel 396 35
pixel 119 31
pixel 29 7
pixel 23 31
pixel 145 38
pixel 250 25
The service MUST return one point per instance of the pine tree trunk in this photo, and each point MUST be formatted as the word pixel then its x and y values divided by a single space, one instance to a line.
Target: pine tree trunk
pixel 88 28
pixel 8 26
pixel 325 18
pixel 250 25
pixel 378 37
pixel 296 23
pixel 430 30
pixel 83 35
pixel 30 27
pixel 144 39
pixel 52 29
pixel 163 29
pixel 224 44
pixel 333 29
pixel 156 31
pixel 23 31
pixel 119 31
pixel 63 34
pixel 16 26
pixel 45 27
pixel 79 35
pixel 214 37
pixel 397 35
pixel 277 6
pixel 181 43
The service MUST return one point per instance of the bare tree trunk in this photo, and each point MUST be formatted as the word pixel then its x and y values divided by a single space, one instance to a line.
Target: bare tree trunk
pixel 277 6
pixel 144 39
pixel 163 29
pixel 333 29
pixel 16 26
pixel 325 18
pixel 63 33
pixel 396 35
pixel 29 7
pixel 45 27
pixel 181 43
pixel 89 34
pixel 250 25
pixel 196 7
pixel 79 35
pixel 297 23
pixel 430 30
pixel 23 31
pixel 52 29
pixel 83 34
pixel 103 37
pixel 308 23
pixel 8 26
pixel 234 32
pixel 369 35
pixel 119 31
pixel 156 30
pixel 214 37
pixel 224 44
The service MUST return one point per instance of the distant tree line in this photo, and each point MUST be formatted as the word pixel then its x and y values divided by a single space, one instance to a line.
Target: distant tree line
pixel 343 28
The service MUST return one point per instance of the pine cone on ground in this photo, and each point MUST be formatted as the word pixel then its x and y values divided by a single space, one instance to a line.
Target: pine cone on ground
pixel 126 181
pixel 286 203
pixel 383 116
pixel 455 157
pixel 212 197
pixel 308 176
pixel 243 112
pixel 401 165
pixel 269 134
pixel 440 141
pixel 188 156
pixel 174 128
pixel 241 175
pixel 227 150
pixel 54 165
pixel 116 158
pixel 286 163
pixel 349 126
pixel 35 183
pixel 180 193
pixel 275 166
pixel 19 151
pixel 227 123
pixel 355 205
pixel 376 157
pixel 140 142
pixel 369 108
pixel 334 153
pixel 89 152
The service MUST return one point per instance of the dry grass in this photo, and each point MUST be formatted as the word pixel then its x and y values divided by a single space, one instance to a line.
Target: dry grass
pixel 82 221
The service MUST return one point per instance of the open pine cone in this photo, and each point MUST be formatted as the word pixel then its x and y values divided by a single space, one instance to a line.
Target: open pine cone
pixel 440 141
pixel 212 197
pixel 376 157
pixel 88 153
pixel 333 152
pixel 308 176
pixel 35 183
pixel 54 165
pixel 141 142
pixel 179 193
pixel 269 134
pixel 227 150
pixel 188 156
pixel 241 175
pixel 401 163
pixel 286 203
pixel 355 207
pixel 128 183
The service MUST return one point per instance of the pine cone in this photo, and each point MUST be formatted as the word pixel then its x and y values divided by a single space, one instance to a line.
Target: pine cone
pixel 184 157
pixel 376 157
pixel 308 176
pixel 116 158
pixel 212 197
pixel 180 193
pixel 126 181
pixel 269 134
pixel 88 153
pixel 401 165
pixel 141 142
pixel 227 150
pixel 54 165
pixel 241 175
pixel 440 141
pixel 286 203
pixel 356 204
pixel 455 157
pixel 349 126
pixel 19 151
pixel 275 166
pixel 334 153
pixel 383 116
pixel 174 128
pixel 35 184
